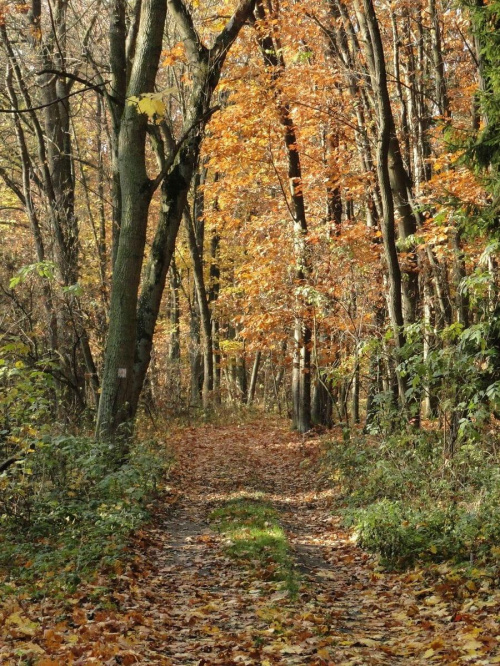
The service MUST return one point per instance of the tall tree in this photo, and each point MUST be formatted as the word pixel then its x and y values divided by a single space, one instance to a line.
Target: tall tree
pixel 43 129
pixel 272 53
pixel 133 319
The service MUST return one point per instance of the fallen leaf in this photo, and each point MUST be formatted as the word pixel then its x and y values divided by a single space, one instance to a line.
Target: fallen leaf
pixel 22 624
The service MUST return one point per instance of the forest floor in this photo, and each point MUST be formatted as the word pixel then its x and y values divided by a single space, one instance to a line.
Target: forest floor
pixel 183 599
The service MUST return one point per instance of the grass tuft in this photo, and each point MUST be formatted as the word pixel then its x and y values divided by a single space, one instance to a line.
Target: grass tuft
pixel 255 536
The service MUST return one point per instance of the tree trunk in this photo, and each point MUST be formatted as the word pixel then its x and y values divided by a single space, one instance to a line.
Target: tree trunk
pixel 355 392
pixel 375 57
pixel 272 54
pixel 213 296
pixel 118 400
pixel 438 62
pixel 195 357
pixel 174 349
pixel 322 402
pixel 241 378
pixel 132 320
pixel 253 378
pixel 196 254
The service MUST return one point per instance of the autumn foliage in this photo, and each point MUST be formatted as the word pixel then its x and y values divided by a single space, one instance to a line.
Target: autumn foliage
pixel 216 209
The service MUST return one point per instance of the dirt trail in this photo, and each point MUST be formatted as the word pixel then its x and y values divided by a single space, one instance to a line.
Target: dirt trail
pixel 182 601
pixel 215 612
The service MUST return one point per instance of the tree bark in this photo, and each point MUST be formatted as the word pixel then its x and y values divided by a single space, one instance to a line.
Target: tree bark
pixel 118 401
pixel 204 308
pixel 133 319
pixel 375 57
pixel 253 378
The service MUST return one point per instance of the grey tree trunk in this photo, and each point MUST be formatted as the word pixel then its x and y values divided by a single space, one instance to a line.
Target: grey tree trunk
pixel 241 378
pixel 174 351
pixel 116 404
pixel 253 378
pixel 459 273
pixel 195 357
pixel 118 66
pixel 438 61
pixel 322 402
pixel 375 57
pixel 343 43
pixel 133 319
pixel 213 296
pixel 272 54
pixel 196 254
pixel 355 391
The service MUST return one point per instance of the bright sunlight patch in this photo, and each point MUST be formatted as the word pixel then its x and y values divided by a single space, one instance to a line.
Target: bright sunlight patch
pixel 255 536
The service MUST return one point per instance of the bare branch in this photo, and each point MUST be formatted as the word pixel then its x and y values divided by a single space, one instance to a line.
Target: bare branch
pixel 74 77
pixel 233 26
pixel 55 101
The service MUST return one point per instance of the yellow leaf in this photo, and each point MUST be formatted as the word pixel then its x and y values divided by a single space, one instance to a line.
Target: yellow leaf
pixel 473 633
pixel 432 600
pixel 22 624
pixel 151 104
pixel 472 645
pixel 152 107
pixel 402 617
pixel 369 642
pixel 269 614
pixel 29 648
pixel 326 573
pixel 292 649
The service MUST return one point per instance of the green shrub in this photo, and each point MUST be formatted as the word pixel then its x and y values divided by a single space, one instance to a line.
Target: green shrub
pixel 407 503
pixel 402 534
pixel 369 470
pixel 68 506
pixel 27 394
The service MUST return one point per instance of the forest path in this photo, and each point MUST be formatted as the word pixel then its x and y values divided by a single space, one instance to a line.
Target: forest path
pixel 202 607
pixel 183 601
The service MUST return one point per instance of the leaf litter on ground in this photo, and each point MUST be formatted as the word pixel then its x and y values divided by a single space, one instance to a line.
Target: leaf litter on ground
pixel 184 597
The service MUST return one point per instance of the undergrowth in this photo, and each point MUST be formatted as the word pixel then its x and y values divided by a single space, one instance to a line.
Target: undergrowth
pixel 408 503
pixel 67 508
pixel 256 537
